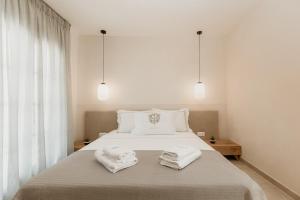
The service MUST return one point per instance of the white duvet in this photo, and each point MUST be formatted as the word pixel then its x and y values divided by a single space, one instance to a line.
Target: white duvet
pixel 148 142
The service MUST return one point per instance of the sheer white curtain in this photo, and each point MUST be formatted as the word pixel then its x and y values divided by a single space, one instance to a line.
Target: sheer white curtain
pixel 34 64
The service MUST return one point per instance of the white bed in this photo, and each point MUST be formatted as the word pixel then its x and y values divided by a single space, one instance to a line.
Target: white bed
pixel 148 142
pixel 80 176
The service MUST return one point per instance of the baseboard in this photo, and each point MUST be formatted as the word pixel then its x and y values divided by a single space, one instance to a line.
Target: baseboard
pixel 273 181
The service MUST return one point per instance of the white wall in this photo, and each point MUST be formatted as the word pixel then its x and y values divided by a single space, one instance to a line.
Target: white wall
pixel 145 72
pixel 264 89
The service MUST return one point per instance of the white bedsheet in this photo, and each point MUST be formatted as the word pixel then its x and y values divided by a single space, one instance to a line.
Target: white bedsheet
pixel 148 142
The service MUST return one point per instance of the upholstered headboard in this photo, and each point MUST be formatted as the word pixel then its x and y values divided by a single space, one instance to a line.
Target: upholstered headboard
pixel 105 121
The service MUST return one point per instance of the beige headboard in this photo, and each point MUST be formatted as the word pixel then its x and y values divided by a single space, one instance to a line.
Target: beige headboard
pixel 105 121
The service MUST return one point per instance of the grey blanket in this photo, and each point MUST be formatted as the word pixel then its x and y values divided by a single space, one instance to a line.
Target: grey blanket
pixel 81 177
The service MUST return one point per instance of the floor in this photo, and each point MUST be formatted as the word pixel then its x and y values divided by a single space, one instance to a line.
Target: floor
pixel 272 191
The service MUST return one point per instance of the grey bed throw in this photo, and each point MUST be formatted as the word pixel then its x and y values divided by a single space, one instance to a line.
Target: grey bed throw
pixel 81 177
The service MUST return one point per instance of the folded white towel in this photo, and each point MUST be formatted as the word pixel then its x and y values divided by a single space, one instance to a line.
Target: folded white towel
pixel 112 165
pixel 118 153
pixel 181 163
pixel 178 152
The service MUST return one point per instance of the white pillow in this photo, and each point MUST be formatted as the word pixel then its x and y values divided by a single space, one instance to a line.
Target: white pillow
pixel 125 119
pixel 181 118
pixel 153 123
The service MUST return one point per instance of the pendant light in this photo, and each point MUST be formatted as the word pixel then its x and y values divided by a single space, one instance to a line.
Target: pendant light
pixel 103 91
pixel 199 88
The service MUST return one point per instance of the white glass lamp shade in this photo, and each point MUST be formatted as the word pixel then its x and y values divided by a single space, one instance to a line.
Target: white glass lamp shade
pixel 199 90
pixel 102 92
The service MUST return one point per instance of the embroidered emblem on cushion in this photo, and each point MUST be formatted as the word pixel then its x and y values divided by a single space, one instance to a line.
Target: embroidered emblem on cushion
pixel 154 118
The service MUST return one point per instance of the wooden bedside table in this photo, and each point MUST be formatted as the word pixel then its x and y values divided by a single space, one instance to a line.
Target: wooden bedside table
pixel 78 145
pixel 226 147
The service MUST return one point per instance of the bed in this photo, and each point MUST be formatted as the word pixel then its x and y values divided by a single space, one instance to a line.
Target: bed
pixel 80 176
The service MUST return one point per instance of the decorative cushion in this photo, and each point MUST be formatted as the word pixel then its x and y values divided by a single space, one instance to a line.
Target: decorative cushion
pixel 125 119
pixel 154 123
pixel 180 118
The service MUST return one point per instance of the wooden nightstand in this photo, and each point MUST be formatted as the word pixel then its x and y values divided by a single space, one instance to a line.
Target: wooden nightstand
pixel 78 145
pixel 227 148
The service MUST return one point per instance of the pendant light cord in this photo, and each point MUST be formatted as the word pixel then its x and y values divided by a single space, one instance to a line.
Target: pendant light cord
pixel 103 59
pixel 199 58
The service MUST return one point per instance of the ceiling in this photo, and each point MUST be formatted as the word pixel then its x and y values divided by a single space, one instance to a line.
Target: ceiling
pixel 153 17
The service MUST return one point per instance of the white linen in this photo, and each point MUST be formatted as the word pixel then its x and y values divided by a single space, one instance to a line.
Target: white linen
pixel 125 119
pixel 148 142
pixel 180 164
pixel 177 152
pixel 120 154
pixel 111 165
pixel 153 123
pixel 180 118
